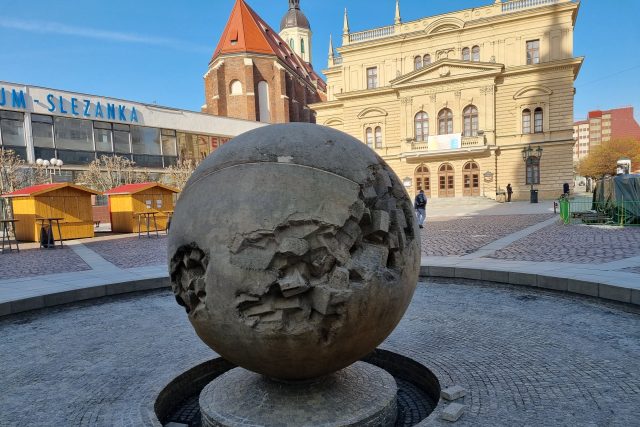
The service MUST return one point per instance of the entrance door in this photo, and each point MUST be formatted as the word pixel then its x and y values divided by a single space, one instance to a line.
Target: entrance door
pixel 446 181
pixel 423 180
pixel 471 179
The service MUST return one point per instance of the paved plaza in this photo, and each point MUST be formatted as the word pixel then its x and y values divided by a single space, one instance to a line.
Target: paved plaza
pixel 526 356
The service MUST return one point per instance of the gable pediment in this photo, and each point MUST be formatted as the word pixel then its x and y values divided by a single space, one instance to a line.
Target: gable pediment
pixel 448 69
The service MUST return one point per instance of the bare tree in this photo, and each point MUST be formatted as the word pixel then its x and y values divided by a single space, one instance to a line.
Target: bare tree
pixel 108 172
pixel 15 174
pixel 179 174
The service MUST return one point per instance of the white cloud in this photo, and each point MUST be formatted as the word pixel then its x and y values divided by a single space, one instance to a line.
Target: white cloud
pixel 113 36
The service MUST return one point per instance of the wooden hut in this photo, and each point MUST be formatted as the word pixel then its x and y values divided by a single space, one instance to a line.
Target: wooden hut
pixel 71 203
pixel 126 201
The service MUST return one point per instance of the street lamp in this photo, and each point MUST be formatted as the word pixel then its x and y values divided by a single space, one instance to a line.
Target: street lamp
pixel 531 160
pixel 50 166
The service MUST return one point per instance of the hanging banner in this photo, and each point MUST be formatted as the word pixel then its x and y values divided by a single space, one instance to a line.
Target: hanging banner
pixel 444 142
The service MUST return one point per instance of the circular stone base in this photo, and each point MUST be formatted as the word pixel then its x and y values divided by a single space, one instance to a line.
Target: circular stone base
pixel 359 395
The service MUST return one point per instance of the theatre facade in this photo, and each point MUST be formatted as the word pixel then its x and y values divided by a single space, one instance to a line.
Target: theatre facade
pixel 42 123
pixel 464 103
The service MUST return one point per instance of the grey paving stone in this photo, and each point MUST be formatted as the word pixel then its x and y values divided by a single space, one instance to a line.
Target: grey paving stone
pixel 523 279
pixel 452 412
pixel 614 293
pixel 495 276
pixel 75 295
pixel 5 308
pixel 525 356
pixel 635 296
pixel 468 273
pixel 437 271
pixel 27 304
pixel 583 287
pixel 453 392
pixel 553 283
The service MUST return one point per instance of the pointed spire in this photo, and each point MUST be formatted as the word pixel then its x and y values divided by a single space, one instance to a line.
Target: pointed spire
pixel 398 20
pixel 331 46
pixel 345 27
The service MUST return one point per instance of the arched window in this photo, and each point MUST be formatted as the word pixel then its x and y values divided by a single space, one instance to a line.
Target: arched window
pixel 526 121
pixel 236 87
pixel 417 63
pixel 466 54
pixel 422 126
pixel 445 121
pixel 263 102
pixel 533 170
pixel 423 180
pixel 475 53
pixel 538 116
pixel 369 135
pixel 378 137
pixel 426 60
pixel 470 115
pixel 302 46
pixel 292 44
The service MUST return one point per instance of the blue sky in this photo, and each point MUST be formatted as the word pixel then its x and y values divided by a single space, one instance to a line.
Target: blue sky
pixel 158 51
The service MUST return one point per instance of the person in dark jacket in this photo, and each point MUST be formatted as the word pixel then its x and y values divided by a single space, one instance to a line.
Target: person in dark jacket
pixel 420 204
pixel 509 193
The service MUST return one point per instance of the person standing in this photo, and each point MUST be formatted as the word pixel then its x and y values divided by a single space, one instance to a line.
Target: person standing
pixel 420 205
pixel 509 193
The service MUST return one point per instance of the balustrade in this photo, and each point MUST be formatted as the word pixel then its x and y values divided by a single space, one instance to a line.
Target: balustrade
pixel 376 33
pixel 516 5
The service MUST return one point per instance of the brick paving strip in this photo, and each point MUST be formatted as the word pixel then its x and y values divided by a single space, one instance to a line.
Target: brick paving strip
pixel 552 256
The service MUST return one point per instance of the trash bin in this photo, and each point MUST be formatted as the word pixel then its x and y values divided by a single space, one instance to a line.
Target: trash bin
pixel 564 209
pixel 534 196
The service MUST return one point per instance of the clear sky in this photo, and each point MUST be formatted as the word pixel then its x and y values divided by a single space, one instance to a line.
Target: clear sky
pixel 158 50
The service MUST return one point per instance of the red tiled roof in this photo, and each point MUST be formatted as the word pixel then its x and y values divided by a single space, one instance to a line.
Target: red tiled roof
pixel 246 32
pixel 35 190
pixel 136 188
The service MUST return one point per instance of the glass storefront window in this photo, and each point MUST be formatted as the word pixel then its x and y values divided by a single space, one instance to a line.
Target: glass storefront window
pixel 103 137
pixel 12 129
pixel 121 139
pixel 145 140
pixel 42 130
pixel 169 142
pixel 73 134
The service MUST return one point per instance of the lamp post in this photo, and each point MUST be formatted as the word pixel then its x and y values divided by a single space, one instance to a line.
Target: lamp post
pixel 531 159
pixel 50 166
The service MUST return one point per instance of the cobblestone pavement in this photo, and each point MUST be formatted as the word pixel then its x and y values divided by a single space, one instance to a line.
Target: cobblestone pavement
pixel 38 262
pixel 132 252
pixel 464 235
pixel 525 357
pixel 579 244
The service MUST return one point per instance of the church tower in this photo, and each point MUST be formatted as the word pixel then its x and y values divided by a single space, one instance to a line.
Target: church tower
pixel 296 31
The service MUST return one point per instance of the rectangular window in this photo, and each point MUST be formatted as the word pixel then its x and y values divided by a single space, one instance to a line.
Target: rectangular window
pixel 533 52
pixel 169 142
pixel 73 134
pixel 42 131
pixel 103 137
pixel 533 171
pixel 12 129
pixel 372 78
pixel 121 136
pixel 145 140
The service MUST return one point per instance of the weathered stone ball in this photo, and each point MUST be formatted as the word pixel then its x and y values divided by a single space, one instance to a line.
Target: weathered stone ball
pixel 295 251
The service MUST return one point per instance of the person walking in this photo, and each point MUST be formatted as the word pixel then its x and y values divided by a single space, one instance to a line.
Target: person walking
pixel 509 193
pixel 420 205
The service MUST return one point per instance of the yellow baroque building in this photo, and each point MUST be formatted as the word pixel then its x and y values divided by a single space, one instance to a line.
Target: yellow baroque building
pixel 452 102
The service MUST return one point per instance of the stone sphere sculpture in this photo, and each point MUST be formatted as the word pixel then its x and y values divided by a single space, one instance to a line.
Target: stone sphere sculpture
pixel 295 251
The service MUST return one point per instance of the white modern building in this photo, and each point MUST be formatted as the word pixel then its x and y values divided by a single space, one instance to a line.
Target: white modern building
pixel 43 123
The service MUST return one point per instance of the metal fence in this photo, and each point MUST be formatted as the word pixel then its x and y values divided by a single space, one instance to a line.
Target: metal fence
pixel 619 213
